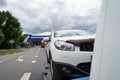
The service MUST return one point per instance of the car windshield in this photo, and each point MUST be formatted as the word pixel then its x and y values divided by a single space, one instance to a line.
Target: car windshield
pixel 68 33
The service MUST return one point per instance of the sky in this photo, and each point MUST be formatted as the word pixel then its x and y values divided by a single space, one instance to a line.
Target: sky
pixel 38 16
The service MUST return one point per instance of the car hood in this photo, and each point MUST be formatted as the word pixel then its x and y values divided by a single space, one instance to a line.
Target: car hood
pixel 77 40
pixel 74 38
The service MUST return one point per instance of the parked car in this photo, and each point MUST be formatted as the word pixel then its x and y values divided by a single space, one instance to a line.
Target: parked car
pixel 69 53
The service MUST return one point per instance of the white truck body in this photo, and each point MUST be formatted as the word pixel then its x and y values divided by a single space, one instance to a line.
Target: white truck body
pixel 106 57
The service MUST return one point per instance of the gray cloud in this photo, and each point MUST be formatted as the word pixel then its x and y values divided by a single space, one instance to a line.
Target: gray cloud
pixel 46 15
pixel 3 3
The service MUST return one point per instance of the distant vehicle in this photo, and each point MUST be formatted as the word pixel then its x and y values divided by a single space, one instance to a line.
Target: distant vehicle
pixel 69 53
pixel 42 44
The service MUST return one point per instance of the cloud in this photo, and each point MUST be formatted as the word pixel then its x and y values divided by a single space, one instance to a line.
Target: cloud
pixel 46 15
pixel 3 3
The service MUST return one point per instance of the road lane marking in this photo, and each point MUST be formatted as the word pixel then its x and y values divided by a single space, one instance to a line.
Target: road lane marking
pixel 26 76
pixel 36 56
pixel 20 59
pixel 1 61
pixel 33 61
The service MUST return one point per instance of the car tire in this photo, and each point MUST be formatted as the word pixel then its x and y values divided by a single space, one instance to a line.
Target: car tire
pixel 48 59
pixel 42 46
pixel 54 75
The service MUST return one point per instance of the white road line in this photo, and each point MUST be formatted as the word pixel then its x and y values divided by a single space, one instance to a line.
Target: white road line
pixel 36 56
pixel 20 59
pixel 1 61
pixel 26 76
pixel 33 61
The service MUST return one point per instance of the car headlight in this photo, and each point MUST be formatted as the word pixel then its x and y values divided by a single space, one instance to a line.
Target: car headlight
pixel 61 45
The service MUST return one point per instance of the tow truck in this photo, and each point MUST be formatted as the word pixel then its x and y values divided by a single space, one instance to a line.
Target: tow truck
pixel 106 57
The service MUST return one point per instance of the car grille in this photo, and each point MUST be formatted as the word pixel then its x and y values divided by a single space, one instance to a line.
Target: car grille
pixel 84 44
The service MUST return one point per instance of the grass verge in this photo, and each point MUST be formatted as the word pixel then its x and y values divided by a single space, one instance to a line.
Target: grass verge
pixel 9 51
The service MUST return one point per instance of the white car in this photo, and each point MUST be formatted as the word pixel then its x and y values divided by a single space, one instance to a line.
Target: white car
pixel 70 53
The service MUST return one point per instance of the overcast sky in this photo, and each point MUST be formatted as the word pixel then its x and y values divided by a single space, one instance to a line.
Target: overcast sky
pixel 37 16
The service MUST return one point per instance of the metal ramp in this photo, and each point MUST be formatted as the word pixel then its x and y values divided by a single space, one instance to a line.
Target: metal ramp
pixel 84 78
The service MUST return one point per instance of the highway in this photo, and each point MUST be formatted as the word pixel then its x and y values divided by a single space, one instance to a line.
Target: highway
pixel 26 65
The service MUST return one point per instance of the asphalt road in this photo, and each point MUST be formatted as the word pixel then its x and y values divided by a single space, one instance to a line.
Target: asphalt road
pixel 27 65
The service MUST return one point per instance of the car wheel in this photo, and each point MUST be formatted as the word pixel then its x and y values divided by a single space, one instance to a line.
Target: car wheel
pixel 54 75
pixel 48 59
pixel 42 46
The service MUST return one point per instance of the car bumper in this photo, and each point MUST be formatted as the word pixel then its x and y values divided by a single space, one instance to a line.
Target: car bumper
pixel 70 57
pixel 42 46
pixel 68 70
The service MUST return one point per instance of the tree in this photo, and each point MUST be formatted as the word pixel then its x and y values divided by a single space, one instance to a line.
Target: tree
pixel 1 36
pixel 22 37
pixel 10 27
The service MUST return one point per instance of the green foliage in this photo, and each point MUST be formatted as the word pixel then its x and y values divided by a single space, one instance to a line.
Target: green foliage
pixel 1 36
pixel 22 37
pixel 11 29
pixel 9 51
